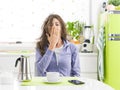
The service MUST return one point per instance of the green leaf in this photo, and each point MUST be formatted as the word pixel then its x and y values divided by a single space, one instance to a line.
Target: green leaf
pixel 114 2
pixel 75 28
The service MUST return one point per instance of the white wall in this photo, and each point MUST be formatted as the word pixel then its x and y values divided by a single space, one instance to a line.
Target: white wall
pixel 21 20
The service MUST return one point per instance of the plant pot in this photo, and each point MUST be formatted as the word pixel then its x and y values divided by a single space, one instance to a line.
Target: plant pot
pixel 110 7
pixel 75 41
pixel 117 7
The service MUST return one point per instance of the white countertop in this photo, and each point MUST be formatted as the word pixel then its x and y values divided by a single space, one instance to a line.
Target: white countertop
pixel 90 84
pixel 32 52
pixel 29 48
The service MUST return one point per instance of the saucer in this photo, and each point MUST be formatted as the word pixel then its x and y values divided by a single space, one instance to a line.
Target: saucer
pixel 46 81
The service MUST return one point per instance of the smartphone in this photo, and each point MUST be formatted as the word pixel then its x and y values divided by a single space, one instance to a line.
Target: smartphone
pixel 76 82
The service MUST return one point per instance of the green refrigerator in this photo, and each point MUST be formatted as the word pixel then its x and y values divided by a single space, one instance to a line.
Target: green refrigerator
pixel 112 50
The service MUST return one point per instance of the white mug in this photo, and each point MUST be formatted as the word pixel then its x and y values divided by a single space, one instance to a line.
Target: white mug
pixel 53 76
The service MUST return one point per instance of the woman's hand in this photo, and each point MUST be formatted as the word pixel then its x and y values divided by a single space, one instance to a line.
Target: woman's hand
pixel 53 38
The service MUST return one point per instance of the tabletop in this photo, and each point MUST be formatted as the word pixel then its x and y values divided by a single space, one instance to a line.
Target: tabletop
pixel 38 83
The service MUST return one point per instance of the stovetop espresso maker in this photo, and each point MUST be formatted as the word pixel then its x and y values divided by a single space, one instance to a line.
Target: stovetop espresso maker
pixel 24 68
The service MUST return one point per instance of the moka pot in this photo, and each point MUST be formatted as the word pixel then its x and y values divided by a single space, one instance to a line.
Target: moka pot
pixel 24 68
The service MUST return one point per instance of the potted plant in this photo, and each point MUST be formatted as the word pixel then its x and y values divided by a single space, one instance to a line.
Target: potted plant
pixel 115 3
pixel 74 29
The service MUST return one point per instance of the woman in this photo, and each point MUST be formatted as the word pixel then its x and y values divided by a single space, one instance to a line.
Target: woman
pixel 54 53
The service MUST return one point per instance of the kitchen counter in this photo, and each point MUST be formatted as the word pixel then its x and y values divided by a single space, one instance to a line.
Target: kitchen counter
pixel 90 84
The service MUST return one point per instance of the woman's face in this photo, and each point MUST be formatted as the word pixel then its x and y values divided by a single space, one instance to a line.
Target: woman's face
pixel 55 25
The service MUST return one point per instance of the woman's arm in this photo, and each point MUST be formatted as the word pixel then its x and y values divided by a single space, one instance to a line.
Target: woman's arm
pixel 75 62
pixel 42 62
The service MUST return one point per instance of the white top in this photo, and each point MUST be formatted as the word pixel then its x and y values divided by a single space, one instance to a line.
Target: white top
pixel 90 84
pixel 57 52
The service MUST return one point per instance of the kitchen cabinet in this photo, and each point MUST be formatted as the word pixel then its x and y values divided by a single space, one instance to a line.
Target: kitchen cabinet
pixel 7 62
pixel 88 65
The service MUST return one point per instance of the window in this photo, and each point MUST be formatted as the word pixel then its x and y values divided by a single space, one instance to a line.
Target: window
pixel 21 20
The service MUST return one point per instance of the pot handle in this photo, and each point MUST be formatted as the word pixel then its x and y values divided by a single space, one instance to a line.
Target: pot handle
pixel 17 61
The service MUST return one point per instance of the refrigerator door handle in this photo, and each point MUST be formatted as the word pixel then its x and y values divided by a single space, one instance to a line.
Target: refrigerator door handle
pixel 110 35
pixel 114 39
pixel 114 12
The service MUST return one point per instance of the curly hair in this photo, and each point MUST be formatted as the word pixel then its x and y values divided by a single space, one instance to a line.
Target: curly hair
pixel 43 41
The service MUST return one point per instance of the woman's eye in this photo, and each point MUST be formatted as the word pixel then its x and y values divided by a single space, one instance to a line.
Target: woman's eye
pixel 57 25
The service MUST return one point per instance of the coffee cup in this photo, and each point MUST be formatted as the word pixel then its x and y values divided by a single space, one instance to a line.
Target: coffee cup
pixel 53 76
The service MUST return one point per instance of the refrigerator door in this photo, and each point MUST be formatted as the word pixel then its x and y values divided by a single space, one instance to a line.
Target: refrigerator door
pixel 112 51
